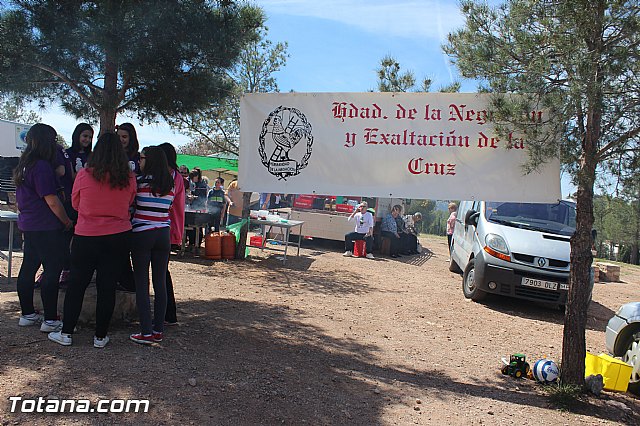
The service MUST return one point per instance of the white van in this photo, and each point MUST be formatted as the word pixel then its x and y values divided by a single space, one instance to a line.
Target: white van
pixel 520 250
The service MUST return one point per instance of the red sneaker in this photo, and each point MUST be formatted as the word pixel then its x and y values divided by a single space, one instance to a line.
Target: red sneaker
pixel 142 338
pixel 157 337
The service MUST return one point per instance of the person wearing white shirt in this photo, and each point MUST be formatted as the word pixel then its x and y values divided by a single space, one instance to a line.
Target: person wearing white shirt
pixel 363 230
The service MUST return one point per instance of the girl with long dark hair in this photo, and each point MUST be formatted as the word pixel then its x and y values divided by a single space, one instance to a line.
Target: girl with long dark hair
pixel 74 160
pixel 102 194
pixel 151 241
pixel 176 216
pixel 42 219
pixel 80 146
pixel 129 140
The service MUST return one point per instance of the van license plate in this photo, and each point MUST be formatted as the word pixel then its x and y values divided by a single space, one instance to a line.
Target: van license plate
pixel 547 285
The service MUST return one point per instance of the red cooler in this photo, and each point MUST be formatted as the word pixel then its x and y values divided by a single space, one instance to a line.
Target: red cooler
pixel 359 248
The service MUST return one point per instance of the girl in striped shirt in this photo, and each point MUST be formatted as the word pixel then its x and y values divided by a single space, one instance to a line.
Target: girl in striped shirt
pixel 151 242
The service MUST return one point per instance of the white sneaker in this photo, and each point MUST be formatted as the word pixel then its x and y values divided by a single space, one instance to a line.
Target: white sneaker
pixel 31 319
pixel 49 326
pixel 100 343
pixel 62 338
pixel 370 256
pixel 348 253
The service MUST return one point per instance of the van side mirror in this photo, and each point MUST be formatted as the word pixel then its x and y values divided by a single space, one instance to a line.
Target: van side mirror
pixel 471 218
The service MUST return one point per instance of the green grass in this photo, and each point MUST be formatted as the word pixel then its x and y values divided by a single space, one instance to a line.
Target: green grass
pixel 563 396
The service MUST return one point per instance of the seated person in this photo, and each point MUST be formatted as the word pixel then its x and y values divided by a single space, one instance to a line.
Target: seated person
pixel 363 231
pixel 410 222
pixel 406 239
pixel 389 229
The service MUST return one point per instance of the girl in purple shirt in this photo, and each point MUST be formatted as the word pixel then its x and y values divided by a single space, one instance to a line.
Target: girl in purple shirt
pixel 42 219
pixel 129 140
pixel 80 146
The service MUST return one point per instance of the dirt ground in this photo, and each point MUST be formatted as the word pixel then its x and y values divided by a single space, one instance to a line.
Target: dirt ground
pixel 323 339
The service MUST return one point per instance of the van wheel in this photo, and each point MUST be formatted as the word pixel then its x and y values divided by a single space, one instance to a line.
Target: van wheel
pixel 469 287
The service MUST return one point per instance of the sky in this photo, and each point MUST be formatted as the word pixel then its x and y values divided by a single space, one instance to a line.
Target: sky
pixel 336 46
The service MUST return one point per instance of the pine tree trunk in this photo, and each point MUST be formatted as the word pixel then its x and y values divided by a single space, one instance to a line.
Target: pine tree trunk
pixel 242 243
pixel 107 120
pixel 636 237
pixel 108 107
pixel 575 320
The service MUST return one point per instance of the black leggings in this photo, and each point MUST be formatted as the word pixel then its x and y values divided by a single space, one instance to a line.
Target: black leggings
pixel 105 255
pixel 46 248
pixel 171 315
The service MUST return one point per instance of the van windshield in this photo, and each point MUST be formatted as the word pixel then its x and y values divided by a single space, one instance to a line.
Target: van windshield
pixel 558 218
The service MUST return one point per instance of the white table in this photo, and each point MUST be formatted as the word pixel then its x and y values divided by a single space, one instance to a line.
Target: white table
pixel 12 218
pixel 285 225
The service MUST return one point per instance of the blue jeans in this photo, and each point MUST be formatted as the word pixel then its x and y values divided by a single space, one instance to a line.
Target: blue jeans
pixel 231 219
pixel 151 247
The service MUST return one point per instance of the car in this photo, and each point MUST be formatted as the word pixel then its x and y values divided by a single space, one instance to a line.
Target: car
pixel 521 250
pixel 623 340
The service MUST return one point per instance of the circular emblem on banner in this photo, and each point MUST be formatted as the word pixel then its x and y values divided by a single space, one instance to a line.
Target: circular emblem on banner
pixel 285 142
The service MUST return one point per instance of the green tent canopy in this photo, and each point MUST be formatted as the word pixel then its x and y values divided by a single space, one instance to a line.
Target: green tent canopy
pixel 208 163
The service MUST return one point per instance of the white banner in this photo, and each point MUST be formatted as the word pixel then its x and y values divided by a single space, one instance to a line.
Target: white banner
pixel 405 145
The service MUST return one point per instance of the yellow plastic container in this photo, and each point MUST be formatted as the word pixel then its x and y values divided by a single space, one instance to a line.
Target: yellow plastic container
pixel 616 373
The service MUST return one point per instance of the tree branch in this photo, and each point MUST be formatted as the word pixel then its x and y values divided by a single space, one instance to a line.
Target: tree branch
pixel 623 138
pixel 68 81
pixel 205 136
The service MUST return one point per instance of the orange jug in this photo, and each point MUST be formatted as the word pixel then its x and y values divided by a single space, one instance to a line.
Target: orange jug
pixel 228 246
pixel 213 246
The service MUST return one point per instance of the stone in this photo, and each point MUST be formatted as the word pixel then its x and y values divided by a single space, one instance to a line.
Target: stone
pixel 610 271
pixel 594 383
pixel 192 381
pixel 124 312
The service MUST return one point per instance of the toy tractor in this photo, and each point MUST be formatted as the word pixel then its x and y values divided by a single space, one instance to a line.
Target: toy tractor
pixel 516 367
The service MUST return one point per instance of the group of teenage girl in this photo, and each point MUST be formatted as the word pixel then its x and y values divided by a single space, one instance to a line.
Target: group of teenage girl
pixel 97 209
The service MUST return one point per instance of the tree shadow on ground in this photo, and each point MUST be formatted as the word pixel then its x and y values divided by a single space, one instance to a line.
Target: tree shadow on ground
pixel 293 277
pixel 415 260
pixel 8 287
pixel 597 318
pixel 237 362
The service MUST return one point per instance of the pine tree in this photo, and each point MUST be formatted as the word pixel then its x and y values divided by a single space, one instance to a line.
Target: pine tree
pixel 579 60
pixel 156 58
